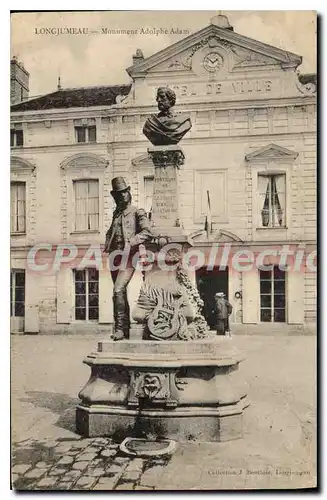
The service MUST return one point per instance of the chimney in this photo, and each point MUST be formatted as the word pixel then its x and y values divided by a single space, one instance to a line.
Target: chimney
pixel 19 81
pixel 138 57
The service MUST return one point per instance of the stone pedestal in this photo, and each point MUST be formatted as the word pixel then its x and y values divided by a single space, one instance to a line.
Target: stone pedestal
pixel 165 307
pixel 165 205
pixel 177 390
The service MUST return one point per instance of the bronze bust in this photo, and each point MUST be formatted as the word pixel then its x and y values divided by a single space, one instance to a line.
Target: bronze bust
pixel 166 127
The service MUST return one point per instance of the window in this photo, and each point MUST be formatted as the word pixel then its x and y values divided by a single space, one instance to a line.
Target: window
pixel 18 207
pixel 86 134
pixel 16 137
pixel 211 182
pixel 86 294
pixel 272 295
pixel 214 181
pixel 148 194
pixel 86 205
pixel 17 293
pixel 272 200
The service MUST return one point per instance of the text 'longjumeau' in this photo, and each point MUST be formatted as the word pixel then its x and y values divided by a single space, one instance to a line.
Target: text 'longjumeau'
pixel 108 31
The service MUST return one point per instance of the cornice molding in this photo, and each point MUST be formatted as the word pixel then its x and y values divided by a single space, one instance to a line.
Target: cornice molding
pixel 110 146
pixel 51 114
pixel 104 112
pixel 102 147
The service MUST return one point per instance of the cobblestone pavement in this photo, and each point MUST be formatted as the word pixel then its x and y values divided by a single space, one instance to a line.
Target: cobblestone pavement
pixel 278 449
pixel 80 464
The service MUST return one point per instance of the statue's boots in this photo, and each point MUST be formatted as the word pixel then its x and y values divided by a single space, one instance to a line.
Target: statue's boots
pixel 118 335
pixel 121 315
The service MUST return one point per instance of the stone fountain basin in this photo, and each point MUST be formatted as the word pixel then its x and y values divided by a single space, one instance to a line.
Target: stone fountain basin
pixel 167 389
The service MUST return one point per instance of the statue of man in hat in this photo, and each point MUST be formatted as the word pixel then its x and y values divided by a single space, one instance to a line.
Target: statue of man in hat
pixel 130 227
pixel 167 127
pixel 223 309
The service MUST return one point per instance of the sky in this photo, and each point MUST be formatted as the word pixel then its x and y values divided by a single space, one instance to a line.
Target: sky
pixel 100 59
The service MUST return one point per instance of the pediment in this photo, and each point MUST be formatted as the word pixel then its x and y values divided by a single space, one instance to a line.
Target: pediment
pixel 220 236
pixel 142 161
pixel 18 164
pixel 271 152
pixel 236 50
pixel 227 236
pixel 84 160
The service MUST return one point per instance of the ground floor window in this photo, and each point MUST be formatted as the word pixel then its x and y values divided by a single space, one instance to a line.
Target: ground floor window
pixel 17 293
pixel 272 295
pixel 86 294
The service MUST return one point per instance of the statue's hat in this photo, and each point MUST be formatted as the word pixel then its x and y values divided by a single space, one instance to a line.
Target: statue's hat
pixel 119 184
pixel 220 294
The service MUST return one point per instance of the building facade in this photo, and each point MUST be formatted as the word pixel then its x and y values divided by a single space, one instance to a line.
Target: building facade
pixel 252 146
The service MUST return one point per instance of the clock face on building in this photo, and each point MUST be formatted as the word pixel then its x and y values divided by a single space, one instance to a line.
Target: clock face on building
pixel 212 62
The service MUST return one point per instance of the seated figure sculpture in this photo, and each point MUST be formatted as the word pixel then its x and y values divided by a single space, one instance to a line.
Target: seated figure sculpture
pixel 166 127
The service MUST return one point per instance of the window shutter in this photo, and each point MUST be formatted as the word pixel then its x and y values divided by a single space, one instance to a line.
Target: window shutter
pixel 263 197
pixel 18 207
pixel 92 134
pixel 31 318
pixel 295 297
pixel 93 204
pixel 80 134
pixel 64 295
pixel 105 297
pixel 31 303
pixel 13 208
pixel 21 207
pixel 251 296
pixel 280 187
pixel 19 138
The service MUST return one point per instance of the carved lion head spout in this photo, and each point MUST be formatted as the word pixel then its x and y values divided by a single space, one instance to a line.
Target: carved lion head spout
pixel 167 127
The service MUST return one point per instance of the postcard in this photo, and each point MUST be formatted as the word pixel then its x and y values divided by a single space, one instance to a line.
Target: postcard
pixel 163 250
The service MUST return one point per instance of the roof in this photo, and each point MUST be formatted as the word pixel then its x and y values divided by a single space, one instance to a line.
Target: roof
pixel 75 98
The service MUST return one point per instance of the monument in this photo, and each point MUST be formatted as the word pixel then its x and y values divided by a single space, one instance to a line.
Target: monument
pixel 179 381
